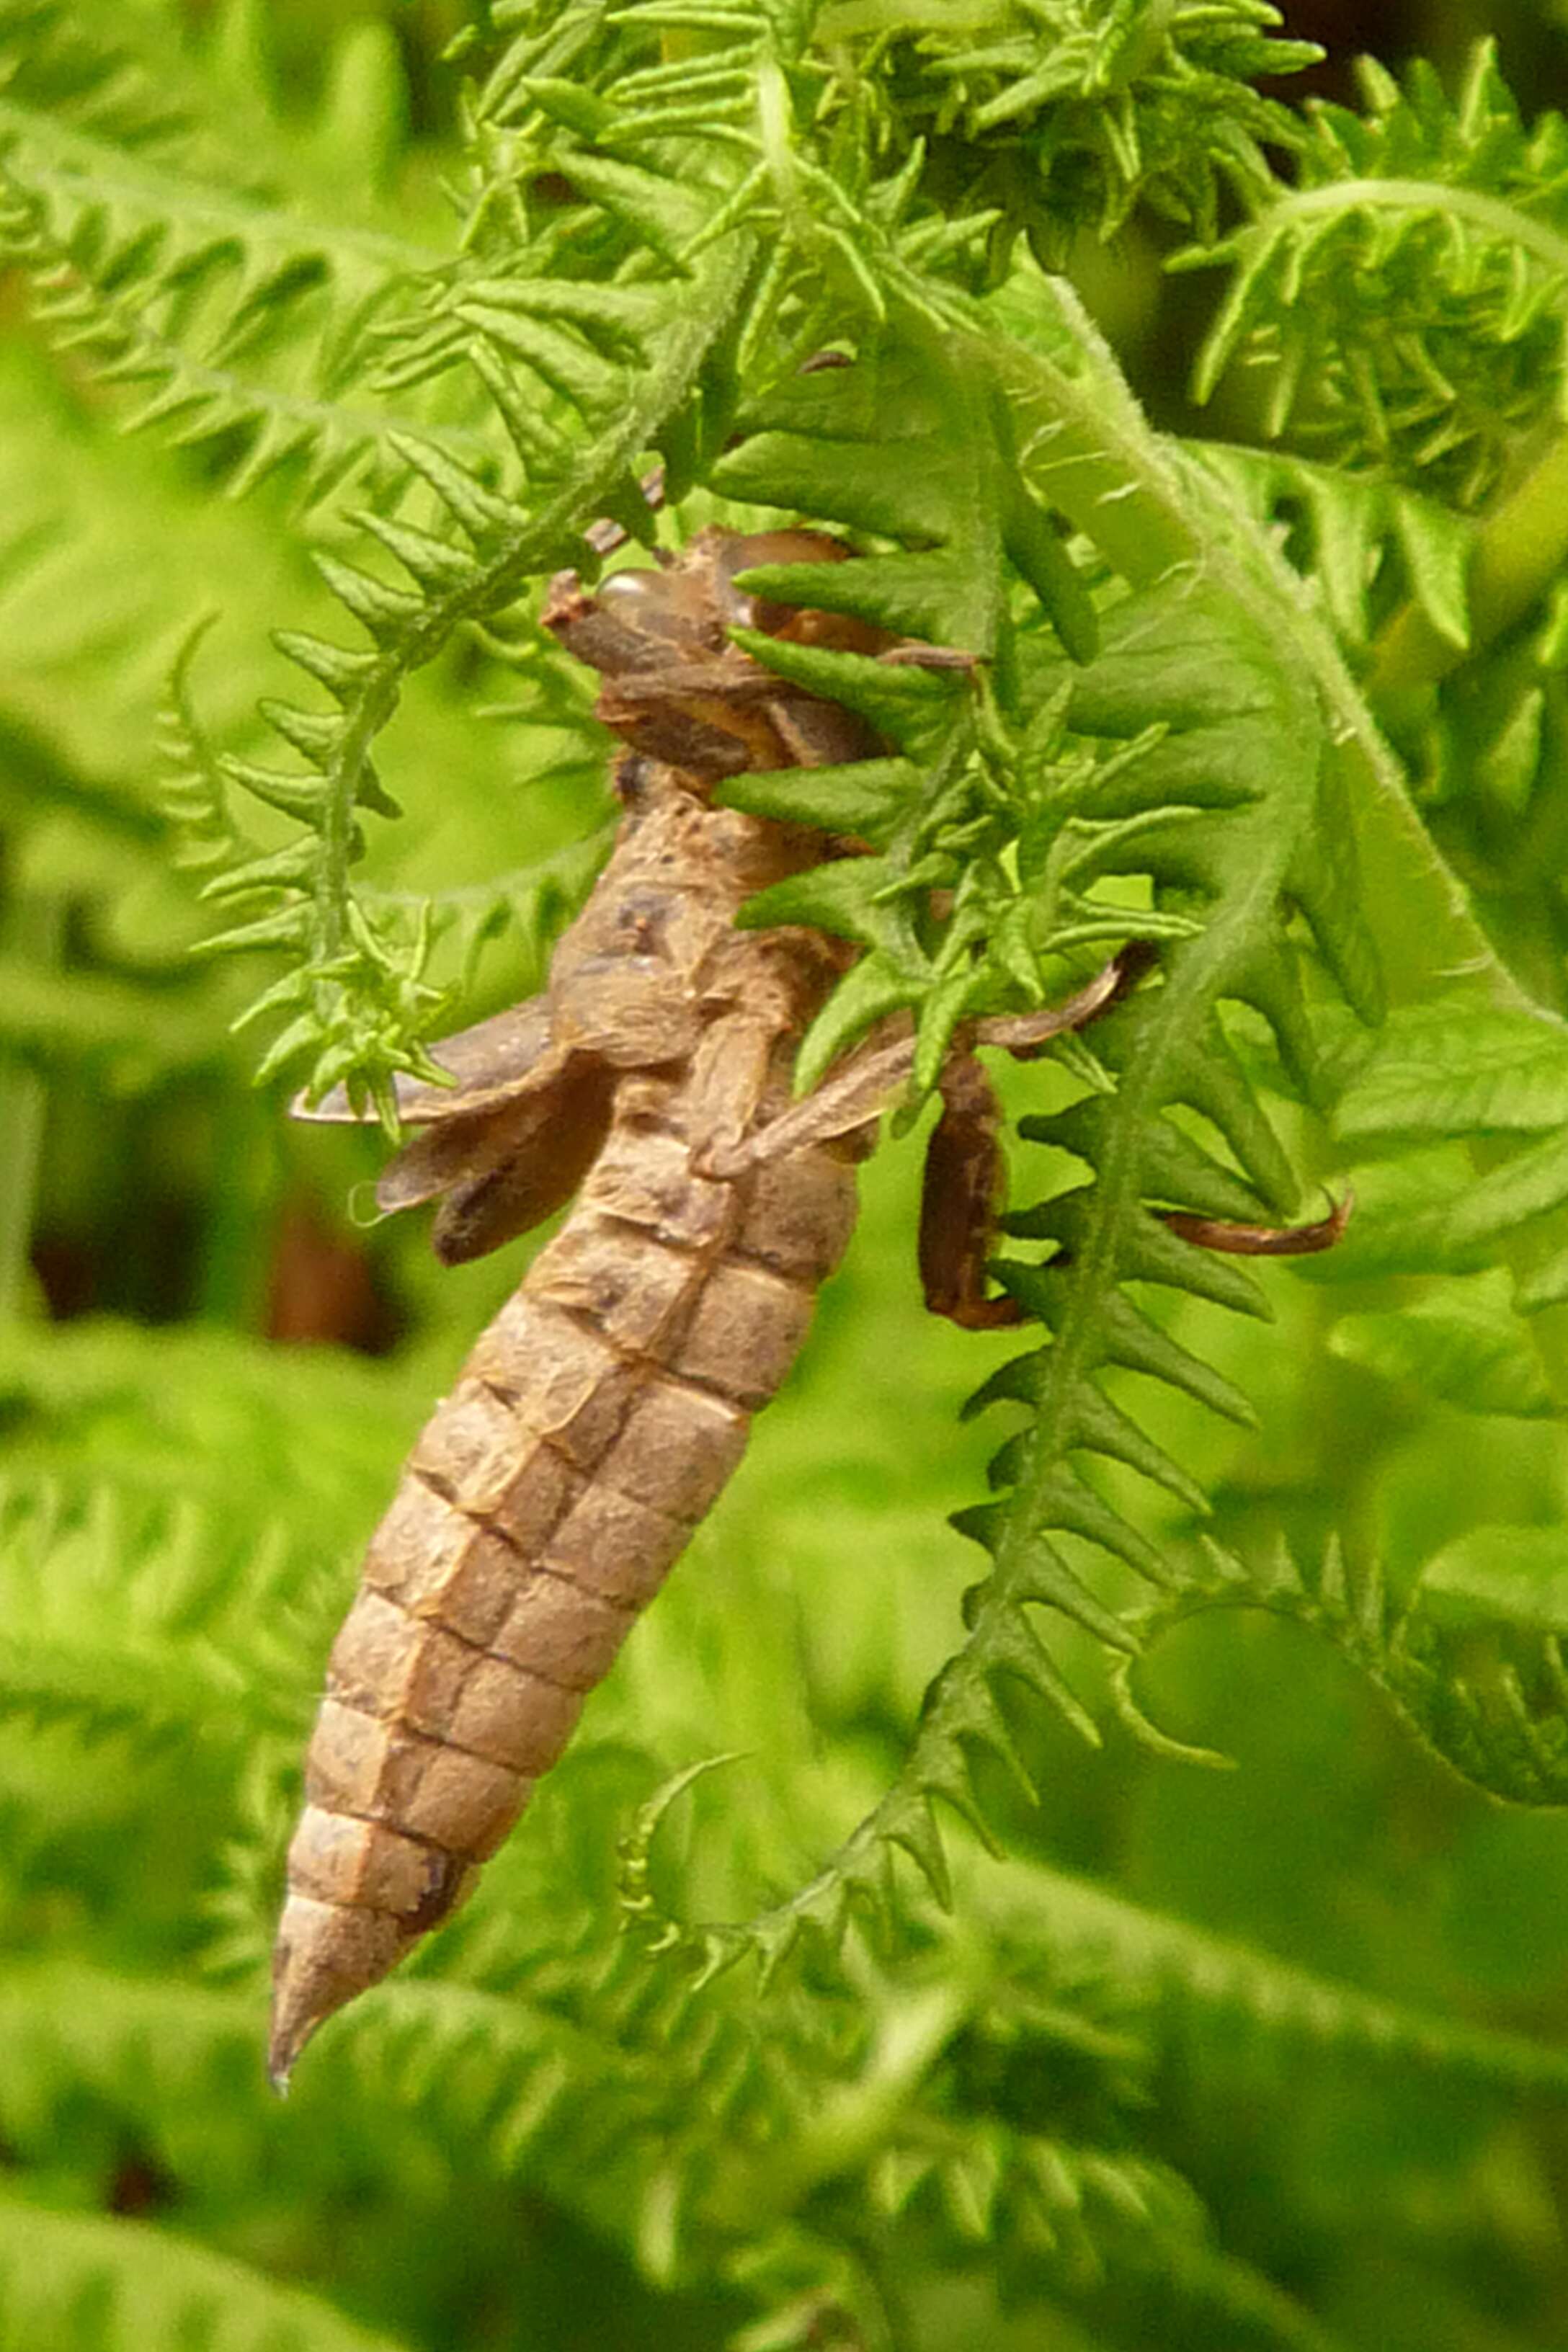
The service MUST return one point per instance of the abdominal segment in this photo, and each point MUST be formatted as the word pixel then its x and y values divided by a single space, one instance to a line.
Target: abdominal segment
pixel 590 1431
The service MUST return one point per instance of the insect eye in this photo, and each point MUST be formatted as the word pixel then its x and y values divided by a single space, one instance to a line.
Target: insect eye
pixel 625 587
pixel 668 605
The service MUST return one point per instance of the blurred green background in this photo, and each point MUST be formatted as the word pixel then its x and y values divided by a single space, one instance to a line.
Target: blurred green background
pixel 1322 1998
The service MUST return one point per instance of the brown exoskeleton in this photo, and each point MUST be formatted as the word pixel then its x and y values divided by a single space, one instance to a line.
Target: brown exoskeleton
pixel 599 1415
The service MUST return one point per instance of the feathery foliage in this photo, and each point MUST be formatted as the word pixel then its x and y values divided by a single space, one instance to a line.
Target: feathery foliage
pixel 1445 221
pixel 319 359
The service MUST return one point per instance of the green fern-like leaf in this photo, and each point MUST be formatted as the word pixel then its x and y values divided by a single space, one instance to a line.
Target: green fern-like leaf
pixel 1348 526
pixel 1074 114
pixel 360 982
pixel 240 321
pixel 1227 843
pixel 93 2283
pixel 114 1620
pixel 1452 212
pixel 1212 1988
pixel 1485 1696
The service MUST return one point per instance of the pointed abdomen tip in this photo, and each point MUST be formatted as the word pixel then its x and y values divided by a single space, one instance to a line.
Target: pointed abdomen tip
pixel 325 1954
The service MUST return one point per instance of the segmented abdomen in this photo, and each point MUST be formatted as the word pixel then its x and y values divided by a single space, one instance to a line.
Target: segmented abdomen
pixel 591 1429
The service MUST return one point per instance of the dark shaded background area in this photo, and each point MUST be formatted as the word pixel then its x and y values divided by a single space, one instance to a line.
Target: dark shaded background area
pixel 1529 34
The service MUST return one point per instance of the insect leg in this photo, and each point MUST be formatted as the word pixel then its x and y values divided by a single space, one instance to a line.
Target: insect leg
pixel 959 1202
pixel 856 1093
pixel 731 1071
pixel 870 1078
pixel 1023 1034
pixel 1263 1241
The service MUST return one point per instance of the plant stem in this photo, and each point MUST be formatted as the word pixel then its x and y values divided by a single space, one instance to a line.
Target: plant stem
pixel 1520 550
pixel 1095 456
